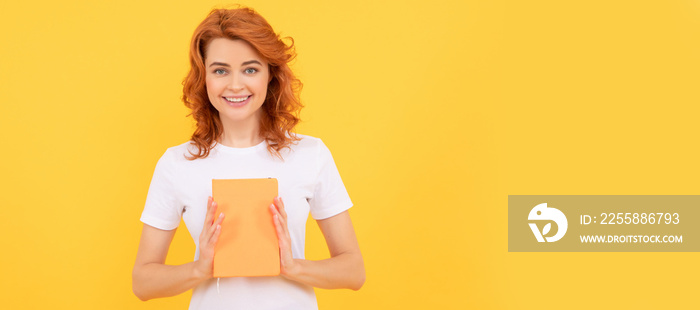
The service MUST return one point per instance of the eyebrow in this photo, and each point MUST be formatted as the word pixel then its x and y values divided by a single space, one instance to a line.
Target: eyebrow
pixel 245 63
pixel 219 64
pixel 250 62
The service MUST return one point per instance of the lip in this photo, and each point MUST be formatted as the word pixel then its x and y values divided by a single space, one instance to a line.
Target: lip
pixel 237 104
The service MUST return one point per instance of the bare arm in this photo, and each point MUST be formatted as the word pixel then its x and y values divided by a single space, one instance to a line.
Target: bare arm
pixel 151 278
pixel 345 268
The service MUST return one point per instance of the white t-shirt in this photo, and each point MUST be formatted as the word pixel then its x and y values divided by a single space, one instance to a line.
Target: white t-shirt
pixel 308 182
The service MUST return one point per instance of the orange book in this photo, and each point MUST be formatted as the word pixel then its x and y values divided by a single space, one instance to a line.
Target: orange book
pixel 247 245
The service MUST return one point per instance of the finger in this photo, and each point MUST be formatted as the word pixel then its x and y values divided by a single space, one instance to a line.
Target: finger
pixel 284 240
pixel 280 207
pixel 208 217
pixel 212 215
pixel 215 236
pixel 216 225
pixel 220 219
pixel 278 227
pixel 275 214
pixel 282 222
pixel 282 213
pixel 209 221
pixel 276 211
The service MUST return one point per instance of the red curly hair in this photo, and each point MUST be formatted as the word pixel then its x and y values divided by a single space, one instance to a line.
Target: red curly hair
pixel 281 106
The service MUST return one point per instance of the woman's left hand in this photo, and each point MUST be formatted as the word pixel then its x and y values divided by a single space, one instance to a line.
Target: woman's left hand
pixel 279 217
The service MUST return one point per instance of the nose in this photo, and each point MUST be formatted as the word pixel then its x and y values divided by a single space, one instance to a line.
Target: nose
pixel 236 83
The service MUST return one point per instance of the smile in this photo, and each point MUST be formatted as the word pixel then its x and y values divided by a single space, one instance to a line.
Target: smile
pixel 236 100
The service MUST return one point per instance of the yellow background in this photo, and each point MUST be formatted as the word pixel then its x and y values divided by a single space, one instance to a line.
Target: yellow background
pixel 434 111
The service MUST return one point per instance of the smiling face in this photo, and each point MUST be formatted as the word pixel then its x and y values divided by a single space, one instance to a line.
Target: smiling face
pixel 236 79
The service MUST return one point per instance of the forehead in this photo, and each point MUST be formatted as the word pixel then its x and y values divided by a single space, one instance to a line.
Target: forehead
pixel 230 51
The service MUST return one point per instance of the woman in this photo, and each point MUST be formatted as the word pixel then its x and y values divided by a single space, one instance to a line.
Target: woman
pixel 244 99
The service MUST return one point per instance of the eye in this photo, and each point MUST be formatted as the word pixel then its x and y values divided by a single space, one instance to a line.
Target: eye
pixel 219 71
pixel 251 70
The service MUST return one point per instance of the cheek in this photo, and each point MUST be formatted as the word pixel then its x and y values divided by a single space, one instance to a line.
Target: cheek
pixel 212 87
pixel 261 85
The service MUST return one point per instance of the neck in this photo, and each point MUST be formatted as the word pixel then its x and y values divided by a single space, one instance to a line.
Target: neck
pixel 241 134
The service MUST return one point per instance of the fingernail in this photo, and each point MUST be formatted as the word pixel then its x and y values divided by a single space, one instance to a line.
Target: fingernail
pixel 221 215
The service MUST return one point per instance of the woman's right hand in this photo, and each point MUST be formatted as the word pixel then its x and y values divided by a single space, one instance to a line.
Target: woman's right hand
pixel 153 279
pixel 204 266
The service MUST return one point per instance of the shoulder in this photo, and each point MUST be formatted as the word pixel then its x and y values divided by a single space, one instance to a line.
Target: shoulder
pixel 307 142
pixel 308 145
pixel 311 149
pixel 178 153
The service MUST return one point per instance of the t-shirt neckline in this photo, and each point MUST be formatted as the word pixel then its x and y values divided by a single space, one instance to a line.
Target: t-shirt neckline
pixel 240 150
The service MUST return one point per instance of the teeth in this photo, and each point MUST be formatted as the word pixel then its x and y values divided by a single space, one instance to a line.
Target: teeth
pixel 236 99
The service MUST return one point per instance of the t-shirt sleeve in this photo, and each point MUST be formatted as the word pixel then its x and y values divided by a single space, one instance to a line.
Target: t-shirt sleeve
pixel 163 210
pixel 330 196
